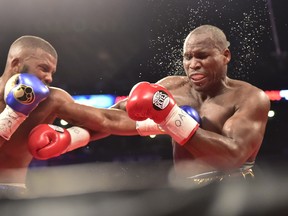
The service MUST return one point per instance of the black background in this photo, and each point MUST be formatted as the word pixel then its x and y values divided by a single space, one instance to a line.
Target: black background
pixel 107 46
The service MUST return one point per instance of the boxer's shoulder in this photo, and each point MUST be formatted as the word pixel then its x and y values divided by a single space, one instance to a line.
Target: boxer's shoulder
pixel 244 87
pixel 58 92
pixel 248 92
pixel 58 97
pixel 240 83
pixel 171 82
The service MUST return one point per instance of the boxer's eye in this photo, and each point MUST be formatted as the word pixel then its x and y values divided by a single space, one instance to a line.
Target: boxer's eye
pixel 201 56
pixel 187 57
pixel 44 68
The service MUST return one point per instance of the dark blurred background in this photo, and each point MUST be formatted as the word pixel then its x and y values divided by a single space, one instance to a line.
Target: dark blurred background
pixel 107 46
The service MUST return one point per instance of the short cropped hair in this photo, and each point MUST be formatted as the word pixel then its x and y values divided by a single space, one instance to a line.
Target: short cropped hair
pixel 216 34
pixel 34 42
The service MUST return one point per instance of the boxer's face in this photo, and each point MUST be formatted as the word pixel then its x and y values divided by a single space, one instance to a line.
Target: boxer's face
pixel 41 64
pixel 203 62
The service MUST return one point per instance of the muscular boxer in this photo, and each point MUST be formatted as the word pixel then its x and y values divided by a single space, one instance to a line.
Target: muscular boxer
pixel 233 113
pixel 31 64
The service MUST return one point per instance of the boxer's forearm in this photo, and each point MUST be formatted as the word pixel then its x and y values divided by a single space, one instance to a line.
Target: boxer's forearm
pixel 119 123
pixel 99 120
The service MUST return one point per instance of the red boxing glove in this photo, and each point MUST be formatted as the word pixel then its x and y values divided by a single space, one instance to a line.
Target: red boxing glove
pixel 157 103
pixel 148 100
pixel 46 141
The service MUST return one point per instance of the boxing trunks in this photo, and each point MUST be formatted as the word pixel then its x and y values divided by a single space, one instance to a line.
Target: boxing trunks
pixel 244 173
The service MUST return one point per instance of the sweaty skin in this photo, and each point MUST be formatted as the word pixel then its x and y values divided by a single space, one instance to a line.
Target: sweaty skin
pixel 14 155
pixel 232 128
pixel 234 113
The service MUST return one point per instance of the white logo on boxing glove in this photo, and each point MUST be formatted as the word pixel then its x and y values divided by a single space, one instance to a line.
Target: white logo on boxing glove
pixel 160 100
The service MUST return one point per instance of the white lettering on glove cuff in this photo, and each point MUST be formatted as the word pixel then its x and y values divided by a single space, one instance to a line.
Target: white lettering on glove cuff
pixel 10 121
pixel 179 125
pixel 148 127
pixel 79 138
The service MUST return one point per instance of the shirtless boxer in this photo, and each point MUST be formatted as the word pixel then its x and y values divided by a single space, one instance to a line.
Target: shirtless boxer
pixel 233 113
pixel 31 63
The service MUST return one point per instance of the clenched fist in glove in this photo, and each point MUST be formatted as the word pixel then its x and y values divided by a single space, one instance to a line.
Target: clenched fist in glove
pixel 23 93
pixel 47 141
pixel 153 101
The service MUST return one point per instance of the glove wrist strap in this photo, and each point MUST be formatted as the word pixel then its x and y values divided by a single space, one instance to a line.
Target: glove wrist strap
pixel 10 121
pixel 179 125
pixel 148 127
pixel 79 138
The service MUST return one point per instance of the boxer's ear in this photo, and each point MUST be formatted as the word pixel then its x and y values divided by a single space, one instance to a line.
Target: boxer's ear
pixel 15 65
pixel 227 56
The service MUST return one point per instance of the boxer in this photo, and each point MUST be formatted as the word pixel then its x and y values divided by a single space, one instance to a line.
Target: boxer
pixel 233 113
pixel 27 100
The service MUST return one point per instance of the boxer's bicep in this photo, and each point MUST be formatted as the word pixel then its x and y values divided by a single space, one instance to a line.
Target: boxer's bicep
pixel 247 126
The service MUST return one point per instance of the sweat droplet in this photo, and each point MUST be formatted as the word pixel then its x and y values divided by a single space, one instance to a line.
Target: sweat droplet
pixel 244 22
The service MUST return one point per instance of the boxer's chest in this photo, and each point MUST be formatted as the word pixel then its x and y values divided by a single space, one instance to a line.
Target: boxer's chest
pixel 213 112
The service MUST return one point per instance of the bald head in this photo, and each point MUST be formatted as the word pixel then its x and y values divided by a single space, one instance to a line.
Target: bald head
pixel 215 34
pixel 31 43
pixel 27 53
